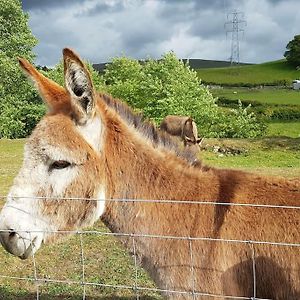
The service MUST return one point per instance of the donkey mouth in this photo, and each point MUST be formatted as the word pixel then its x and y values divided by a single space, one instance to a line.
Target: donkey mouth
pixel 20 246
pixel 30 250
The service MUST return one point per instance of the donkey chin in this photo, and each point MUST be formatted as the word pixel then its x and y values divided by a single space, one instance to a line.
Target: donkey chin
pixel 22 233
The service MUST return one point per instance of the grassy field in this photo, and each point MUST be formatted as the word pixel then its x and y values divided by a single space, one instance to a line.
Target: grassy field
pixel 268 96
pixel 253 74
pixel 277 156
pixel 289 129
pixel 105 260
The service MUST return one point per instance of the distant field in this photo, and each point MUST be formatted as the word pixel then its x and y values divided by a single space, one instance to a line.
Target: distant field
pixel 253 74
pixel 290 129
pixel 268 95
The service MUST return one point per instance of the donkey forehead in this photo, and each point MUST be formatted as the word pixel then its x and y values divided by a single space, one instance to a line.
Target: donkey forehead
pixel 56 137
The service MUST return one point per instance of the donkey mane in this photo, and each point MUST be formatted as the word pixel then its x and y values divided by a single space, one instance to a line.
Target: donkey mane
pixel 149 131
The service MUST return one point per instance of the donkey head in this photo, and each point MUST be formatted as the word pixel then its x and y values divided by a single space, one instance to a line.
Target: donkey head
pixel 62 159
pixel 190 134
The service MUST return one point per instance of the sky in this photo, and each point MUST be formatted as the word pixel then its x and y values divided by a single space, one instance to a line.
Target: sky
pixel 101 29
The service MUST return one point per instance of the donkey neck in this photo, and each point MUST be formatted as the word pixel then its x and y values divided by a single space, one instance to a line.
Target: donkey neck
pixel 137 170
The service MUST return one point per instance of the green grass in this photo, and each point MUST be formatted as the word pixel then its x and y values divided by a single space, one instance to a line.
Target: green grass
pixel 10 162
pixel 278 156
pixel 289 129
pixel 269 96
pixel 105 259
pixel 253 74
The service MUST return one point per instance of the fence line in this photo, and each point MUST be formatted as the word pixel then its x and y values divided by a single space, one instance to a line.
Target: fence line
pixel 163 201
pixel 34 268
pixel 136 288
pixel 156 236
pixel 253 270
pixel 83 267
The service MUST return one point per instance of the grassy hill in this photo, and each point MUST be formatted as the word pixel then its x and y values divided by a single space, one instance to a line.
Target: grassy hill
pixel 266 73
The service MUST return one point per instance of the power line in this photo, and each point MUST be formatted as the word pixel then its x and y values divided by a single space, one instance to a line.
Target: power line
pixel 235 25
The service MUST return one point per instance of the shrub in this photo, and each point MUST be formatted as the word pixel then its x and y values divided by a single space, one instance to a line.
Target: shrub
pixel 261 110
pixel 18 113
pixel 278 83
pixel 18 118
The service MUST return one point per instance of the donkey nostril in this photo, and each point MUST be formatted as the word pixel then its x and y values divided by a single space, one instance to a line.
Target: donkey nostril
pixel 12 233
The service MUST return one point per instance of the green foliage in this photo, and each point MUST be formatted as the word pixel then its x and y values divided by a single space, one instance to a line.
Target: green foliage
pixel 19 104
pixel 167 86
pixel 18 118
pixel 16 37
pixel 275 83
pixel 284 112
pixel 267 111
pixel 293 51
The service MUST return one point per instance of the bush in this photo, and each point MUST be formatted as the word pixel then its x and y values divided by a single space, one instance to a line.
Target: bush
pixel 261 110
pixel 285 112
pixel 17 119
pixel 167 87
pixel 19 104
pixel 279 83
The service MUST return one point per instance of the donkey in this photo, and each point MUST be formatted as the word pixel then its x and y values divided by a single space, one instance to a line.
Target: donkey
pixel 84 148
pixel 183 127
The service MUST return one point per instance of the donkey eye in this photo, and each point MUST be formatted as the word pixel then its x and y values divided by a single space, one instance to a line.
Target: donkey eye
pixel 59 164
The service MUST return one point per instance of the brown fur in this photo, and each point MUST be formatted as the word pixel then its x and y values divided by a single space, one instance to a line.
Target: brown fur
pixel 131 166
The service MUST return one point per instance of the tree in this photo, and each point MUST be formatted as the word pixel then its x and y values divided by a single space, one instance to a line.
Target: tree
pixel 20 106
pixel 168 86
pixel 293 53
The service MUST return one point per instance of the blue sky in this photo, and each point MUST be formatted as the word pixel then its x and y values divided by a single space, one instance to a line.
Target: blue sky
pixel 101 29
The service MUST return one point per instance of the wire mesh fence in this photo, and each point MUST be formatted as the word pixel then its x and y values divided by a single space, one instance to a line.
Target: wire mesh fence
pixel 138 288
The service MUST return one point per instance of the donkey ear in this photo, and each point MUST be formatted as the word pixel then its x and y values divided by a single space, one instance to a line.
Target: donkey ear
pixel 199 141
pixel 55 96
pixel 79 84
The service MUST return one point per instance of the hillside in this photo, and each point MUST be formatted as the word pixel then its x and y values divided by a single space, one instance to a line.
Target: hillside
pixel 275 72
pixel 194 63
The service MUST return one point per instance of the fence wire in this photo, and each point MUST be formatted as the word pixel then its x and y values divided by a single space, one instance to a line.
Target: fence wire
pixel 136 288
